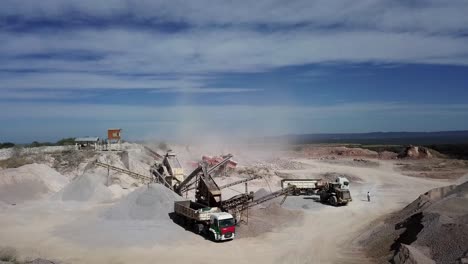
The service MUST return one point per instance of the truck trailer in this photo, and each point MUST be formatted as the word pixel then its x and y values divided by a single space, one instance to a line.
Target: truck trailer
pixel 206 221
pixel 334 193
pixel 303 186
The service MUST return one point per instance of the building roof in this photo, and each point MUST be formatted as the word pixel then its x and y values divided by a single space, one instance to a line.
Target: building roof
pixel 87 139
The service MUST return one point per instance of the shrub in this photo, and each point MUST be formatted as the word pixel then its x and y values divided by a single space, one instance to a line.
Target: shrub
pixel 6 145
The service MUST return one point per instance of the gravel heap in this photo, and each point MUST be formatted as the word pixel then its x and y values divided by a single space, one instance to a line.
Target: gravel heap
pixel 86 188
pixel 435 226
pixel 285 164
pixel 263 219
pixel 331 176
pixel 153 202
pixel 318 152
pixel 249 171
pixel 415 152
pixel 29 182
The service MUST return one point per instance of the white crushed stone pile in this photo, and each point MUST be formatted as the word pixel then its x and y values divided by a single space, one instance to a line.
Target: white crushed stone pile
pixel 141 219
pixel 9 152
pixel 284 164
pixel 86 188
pixel 29 182
pixel 139 162
pixel 153 202
pixel 115 160
pixel 6 153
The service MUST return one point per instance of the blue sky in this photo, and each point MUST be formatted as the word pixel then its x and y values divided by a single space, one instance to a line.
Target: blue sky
pixel 171 69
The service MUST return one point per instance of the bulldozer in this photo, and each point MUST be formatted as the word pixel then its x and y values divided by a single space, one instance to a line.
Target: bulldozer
pixel 336 193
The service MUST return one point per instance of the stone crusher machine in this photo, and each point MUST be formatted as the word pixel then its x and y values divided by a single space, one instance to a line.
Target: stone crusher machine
pixel 208 193
pixel 168 172
pixel 210 215
pixel 225 169
pixel 218 223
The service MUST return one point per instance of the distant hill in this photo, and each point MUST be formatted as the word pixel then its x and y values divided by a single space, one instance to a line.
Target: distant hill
pixel 396 138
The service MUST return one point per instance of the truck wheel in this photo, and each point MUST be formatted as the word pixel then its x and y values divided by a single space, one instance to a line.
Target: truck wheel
pixel 198 228
pixel 182 222
pixel 332 200
pixel 212 236
pixel 323 197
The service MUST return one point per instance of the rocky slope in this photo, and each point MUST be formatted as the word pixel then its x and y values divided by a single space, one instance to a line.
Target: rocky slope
pixel 432 229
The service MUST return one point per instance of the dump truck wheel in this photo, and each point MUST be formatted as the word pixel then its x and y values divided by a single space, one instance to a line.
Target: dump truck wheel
pixel 332 200
pixel 323 197
pixel 212 236
pixel 177 220
pixel 198 228
pixel 183 222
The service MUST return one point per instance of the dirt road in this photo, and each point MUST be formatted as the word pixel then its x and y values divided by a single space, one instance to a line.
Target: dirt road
pixel 326 234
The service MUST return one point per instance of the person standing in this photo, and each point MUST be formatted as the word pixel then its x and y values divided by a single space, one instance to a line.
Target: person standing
pixel 368 196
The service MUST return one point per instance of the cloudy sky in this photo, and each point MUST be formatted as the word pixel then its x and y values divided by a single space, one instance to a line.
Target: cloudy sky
pixel 162 69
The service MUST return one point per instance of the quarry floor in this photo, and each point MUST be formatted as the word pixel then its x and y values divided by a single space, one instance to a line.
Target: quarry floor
pixel 68 231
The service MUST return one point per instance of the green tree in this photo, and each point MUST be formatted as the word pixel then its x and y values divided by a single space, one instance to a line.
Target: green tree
pixel 66 141
pixel 6 145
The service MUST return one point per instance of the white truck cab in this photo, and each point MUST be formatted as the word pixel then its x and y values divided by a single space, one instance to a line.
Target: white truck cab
pixel 344 183
pixel 222 226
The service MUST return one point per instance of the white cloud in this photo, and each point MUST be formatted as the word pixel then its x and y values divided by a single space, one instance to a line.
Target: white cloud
pixel 22 94
pixel 208 90
pixel 426 15
pixel 74 80
pixel 344 31
pixel 202 52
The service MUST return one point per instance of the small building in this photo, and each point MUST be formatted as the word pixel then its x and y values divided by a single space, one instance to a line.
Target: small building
pixel 113 134
pixel 114 137
pixel 87 143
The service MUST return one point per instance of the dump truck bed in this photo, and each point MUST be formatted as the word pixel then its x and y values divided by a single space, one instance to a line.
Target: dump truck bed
pixel 300 183
pixel 195 211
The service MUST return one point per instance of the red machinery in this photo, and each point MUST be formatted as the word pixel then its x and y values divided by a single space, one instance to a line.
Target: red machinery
pixel 217 159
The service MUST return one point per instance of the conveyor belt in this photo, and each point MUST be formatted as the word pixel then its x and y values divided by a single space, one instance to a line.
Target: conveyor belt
pixel 129 173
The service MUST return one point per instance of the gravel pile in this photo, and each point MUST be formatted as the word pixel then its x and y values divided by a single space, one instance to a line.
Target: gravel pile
pixel 266 219
pixel 140 219
pixel 29 182
pixel 86 188
pixel 153 202
pixel 261 170
pixel 284 164
pixel 6 153
pixel 435 225
pixel 331 176
pixel 318 152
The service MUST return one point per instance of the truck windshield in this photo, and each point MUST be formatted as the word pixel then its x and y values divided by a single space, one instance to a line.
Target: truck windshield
pixel 226 222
